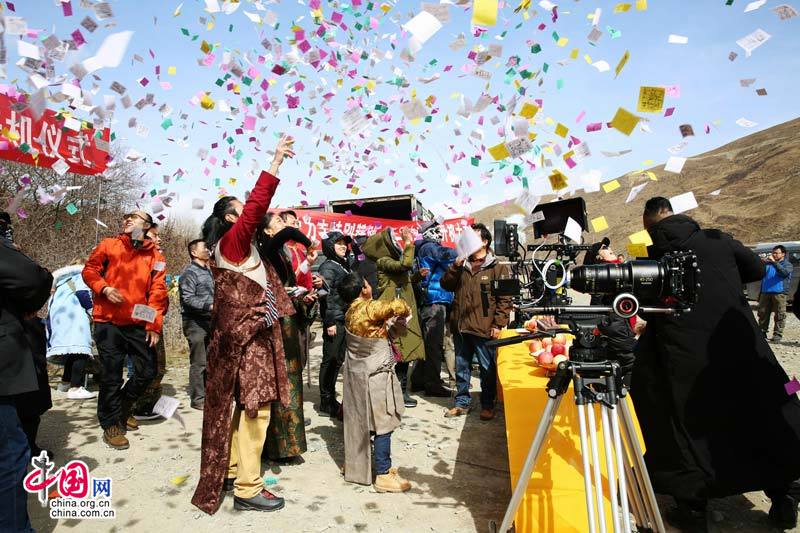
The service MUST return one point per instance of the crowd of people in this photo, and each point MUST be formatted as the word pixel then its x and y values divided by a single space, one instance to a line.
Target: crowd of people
pixel 386 303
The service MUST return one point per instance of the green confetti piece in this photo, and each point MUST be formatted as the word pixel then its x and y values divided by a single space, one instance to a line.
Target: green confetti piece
pixel 517 170
pixel 247 81
pixel 555 36
pixel 24 148
pixel 229 140
pixel 545 67
pixel 166 124
pixel 429 118
pixel 382 108
pixel 185 31
pixel 559 84
pixel 71 208
pixel 524 182
pixel 153 193
pixel 475 161
pixel 536 48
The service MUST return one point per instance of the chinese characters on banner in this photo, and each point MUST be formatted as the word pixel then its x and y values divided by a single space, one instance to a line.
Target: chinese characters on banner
pixel 50 141
pixel 316 225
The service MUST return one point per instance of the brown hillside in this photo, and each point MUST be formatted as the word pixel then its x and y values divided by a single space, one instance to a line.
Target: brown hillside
pixel 759 176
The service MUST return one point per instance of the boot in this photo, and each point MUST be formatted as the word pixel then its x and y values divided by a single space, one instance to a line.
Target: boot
pixel 401 369
pixel 263 501
pixel 127 420
pixel 391 482
pixel 687 519
pixel 783 512
pixel 113 437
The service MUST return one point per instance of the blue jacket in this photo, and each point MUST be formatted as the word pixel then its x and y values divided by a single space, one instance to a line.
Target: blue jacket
pixel 778 278
pixel 437 258
pixel 68 314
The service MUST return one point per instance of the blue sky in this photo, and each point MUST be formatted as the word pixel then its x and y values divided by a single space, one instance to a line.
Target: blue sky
pixel 709 85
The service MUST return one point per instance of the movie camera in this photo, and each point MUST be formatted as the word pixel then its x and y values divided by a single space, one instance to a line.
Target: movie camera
pixel 538 285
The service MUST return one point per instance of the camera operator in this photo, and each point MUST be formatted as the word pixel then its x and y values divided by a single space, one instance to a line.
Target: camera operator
pixel 617 330
pixel 709 393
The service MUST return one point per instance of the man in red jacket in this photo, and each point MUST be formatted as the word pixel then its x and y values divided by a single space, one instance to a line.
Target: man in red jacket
pixel 127 276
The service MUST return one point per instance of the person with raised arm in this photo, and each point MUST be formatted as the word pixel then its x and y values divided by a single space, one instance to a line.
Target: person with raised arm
pixel 246 363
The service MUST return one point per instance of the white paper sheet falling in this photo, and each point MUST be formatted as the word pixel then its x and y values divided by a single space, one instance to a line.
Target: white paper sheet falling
pixel 573 230
pixel 683 202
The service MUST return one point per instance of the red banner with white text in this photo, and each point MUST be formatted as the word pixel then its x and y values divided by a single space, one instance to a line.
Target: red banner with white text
pixel 53 141
pixel 316 225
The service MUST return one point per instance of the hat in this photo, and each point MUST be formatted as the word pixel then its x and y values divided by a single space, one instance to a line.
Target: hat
pixel 425 226
pixel 591 254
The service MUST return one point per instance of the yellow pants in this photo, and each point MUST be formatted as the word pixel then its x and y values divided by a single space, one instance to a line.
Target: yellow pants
pixel 247 442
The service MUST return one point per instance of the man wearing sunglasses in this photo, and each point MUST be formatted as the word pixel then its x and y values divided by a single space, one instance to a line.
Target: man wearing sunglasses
pixel 127 276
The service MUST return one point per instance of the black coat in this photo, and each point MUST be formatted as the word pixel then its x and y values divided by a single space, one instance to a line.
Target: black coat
pixel 707 388
pixel 31 405
pixel 333 270
pixel 24 288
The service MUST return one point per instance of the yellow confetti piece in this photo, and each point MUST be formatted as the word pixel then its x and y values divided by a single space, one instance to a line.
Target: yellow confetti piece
pixel 651 99
pixel 587 58
pixel 599 224
pixel 623 60
pixel 562 42
pixel 647 162
pixel 637 250
pixel 205 47
pixel 529 110
pixel 574 53
pixel 624 121
pixel 178 480
pixel 561 130
pixel 651 175
pixel 641 237
pixel 622 8
pixel 499 152
pixel 354 190
pixel 171 71
pixel 641 5
pixel 206 102
pixel 612 185
pixel 568 154
pixel 232 181
pixel 484 12
pixel 558 180
pixel 549 121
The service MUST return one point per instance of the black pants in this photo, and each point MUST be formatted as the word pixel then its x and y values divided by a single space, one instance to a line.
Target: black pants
pixel 197 333
pixel 333 353
pixel 75 369
pixel 14 462
pixel 427 373
pixel 113 344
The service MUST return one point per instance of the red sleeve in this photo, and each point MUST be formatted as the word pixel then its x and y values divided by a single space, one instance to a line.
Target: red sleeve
pixel 158 297
pixel 93 268
pixel 235 244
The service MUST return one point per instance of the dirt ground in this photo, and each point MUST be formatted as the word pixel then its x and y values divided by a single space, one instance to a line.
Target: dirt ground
pixel 458 468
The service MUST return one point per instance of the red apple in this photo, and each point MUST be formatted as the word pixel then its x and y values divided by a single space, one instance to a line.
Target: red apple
pixel 535 345
pixel 558 349
pixel 546 358
pixel 547 341
pixel 560 338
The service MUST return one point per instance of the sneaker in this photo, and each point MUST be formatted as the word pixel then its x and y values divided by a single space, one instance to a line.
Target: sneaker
pixel 438 392
pixel 456 411
pixel 487 414
pixel 408 401
pixel 199 405
pixel 132 424
pixel 783 512
pixel 391 482
pixel 776 338
pixel 80 393
pixel 114 438
pixel 263 501
pixel 146 415
pixel 64 386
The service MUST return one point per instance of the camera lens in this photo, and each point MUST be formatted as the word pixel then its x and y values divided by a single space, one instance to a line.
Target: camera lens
pixel 645 279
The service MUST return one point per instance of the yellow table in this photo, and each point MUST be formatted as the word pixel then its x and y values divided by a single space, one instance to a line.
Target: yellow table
pixel 555 500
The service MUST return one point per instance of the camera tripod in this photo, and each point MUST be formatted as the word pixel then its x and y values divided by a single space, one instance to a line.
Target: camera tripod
pixel 628 480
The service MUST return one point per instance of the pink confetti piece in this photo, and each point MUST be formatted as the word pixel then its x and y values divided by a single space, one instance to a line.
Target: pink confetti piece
pixel 66 7
pixel 77 36
pixel 249 123
pixel 144 82
pixel 594 126
pixel 792 387
pixel 336 18
pixel 580 117
pixel 669 111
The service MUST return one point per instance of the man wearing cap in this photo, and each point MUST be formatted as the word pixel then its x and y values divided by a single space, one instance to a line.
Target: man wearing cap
pixel 435 301
pixel 127 276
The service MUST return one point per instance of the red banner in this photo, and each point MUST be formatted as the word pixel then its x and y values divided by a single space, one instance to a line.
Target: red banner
pixel 316 225
pixel 51 141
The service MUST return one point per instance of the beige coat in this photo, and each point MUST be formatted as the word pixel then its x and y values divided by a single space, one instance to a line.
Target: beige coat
pixel 373 401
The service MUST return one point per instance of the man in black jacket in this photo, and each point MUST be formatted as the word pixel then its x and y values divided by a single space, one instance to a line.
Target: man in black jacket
pixel 196 289
pixel 336 266
pixel 24 288
pixel 708 391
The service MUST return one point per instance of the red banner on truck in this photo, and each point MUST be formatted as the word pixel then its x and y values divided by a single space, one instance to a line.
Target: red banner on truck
pixel 51 141
pixel 316 225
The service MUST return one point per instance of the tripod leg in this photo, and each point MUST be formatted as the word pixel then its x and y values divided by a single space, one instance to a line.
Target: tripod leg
pixel 634 493
pixel 645 516
pixel 610 471
pixel 598 478
pixel 587 473
pixel 623 493
pixel 638 457
pixel 537 445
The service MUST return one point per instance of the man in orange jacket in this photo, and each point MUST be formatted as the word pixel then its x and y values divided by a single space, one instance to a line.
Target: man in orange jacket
pixel 127 276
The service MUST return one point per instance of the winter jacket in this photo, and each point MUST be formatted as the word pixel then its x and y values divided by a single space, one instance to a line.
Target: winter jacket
pixel 467 314
pixel 395 280
pixel 778 277
pixel 138 273
pixel 437 258
pixel 703 439
pixel 196 289
pixel 333 270
pixel 68 323
pixel 24 288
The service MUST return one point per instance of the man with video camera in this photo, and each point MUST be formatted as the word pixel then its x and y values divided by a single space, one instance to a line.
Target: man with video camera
pixel 708 391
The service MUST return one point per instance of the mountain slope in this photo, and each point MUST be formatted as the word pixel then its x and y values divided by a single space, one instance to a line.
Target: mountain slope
pixel 759 178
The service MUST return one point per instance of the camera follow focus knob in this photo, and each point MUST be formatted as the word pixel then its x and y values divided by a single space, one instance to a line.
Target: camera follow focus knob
pixel 626 305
